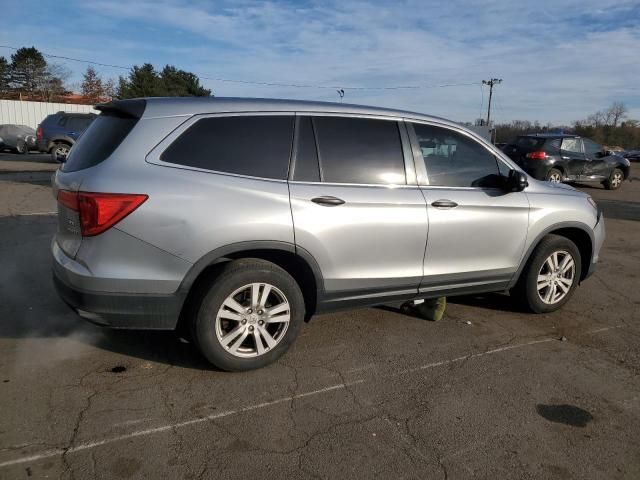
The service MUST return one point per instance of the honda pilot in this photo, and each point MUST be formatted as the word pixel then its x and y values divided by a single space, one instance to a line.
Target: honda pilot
pixel 239 219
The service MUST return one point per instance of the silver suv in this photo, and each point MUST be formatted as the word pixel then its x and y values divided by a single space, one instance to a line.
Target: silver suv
pixel 240 218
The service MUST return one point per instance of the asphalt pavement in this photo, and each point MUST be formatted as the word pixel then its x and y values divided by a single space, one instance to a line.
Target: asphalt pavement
pixel 489 392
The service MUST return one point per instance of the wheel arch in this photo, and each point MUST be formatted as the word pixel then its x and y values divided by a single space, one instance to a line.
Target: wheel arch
pixel 59 139
pixel 579 233
pixel 296 261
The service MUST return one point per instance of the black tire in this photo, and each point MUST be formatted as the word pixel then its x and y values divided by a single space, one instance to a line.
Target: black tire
pixel 21 147
pixel 526 291
pixel 233 276
pixel 57 148
pixel 615 180
pixel 553 174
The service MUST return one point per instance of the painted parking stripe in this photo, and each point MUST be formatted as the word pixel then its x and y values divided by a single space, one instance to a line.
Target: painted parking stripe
pixel 228 413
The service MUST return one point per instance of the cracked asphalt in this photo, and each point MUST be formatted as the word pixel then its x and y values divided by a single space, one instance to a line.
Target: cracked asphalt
pixel 372 393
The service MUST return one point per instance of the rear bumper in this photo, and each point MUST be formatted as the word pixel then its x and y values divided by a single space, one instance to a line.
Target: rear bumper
pixel 132 311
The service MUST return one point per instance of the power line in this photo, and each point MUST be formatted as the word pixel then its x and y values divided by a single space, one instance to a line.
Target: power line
pixel 264 84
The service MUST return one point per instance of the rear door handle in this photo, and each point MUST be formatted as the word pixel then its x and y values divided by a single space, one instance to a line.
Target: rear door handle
pixel 328 201
pixel 444 204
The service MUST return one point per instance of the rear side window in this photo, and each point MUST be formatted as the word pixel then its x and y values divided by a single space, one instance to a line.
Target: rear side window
pixel 99 141
pixel 455 160
pixel 359 150
pixel 256 146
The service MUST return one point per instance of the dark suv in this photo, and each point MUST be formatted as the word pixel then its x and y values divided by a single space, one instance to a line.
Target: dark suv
pixel 59 132
pixel 567 158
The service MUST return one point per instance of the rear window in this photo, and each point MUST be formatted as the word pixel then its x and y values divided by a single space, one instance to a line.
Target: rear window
pixel 99 141
pixel 529 142
pixel 78 124
pixel 257 146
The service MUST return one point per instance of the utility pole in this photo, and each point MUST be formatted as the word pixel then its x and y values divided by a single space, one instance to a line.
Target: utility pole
pixel 491 83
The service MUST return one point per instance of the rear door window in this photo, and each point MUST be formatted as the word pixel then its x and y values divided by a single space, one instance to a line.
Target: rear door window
pixel 99 141
pixel 257 146
pixel 572 145
pixel 359 150
pixel 455 160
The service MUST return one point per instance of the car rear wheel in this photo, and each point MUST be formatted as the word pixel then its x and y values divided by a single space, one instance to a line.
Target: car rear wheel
pixel 551 275
pixel 615 180
pixel 554 176
pixel 59 151
pixel 249 316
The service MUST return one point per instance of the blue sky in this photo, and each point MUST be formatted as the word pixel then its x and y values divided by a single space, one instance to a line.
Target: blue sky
pixel 560 60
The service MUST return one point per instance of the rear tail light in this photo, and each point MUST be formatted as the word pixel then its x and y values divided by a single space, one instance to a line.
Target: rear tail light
pixel 100 211
pixel 39 133
pixel 537 155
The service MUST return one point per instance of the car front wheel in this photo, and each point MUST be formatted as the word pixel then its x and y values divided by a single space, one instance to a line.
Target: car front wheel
pixel 615 180
pixel 249 316
pixel 551 275
pixel 21 147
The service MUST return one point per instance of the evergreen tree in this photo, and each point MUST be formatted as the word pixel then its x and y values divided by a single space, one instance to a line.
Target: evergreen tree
pixel 92 87
pixel 28 71
pixel 4 77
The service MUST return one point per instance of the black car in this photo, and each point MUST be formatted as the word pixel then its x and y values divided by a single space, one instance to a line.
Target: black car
pixel 59 132
pixel 632 155
pixel 18 138
pixel 567 158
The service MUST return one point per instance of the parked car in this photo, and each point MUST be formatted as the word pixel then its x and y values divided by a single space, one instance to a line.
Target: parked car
pixel 632 155
pixel 59 132
pixel 567 158
pixel 237 219
pixel 19 138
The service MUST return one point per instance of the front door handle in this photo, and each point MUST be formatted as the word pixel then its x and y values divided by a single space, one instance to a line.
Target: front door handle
pixel 444 204
pixel 328 201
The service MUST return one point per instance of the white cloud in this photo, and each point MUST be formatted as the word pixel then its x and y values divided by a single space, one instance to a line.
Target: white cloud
pixel 559 60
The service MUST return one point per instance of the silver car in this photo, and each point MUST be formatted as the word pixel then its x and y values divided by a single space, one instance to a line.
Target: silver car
pixel 237 219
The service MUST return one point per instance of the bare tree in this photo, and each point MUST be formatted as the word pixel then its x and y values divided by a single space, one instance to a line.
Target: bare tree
pixel 616 113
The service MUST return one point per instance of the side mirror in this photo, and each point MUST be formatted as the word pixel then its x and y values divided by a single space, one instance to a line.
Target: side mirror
pixel 516 181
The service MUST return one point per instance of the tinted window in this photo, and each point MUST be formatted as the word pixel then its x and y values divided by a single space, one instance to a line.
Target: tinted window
pixel 78 124
pixel 306 167
pixel 99 141
pixel 591 149
pixel 257 146
pixel 529 142
pixel 454 160
pixel 572 145
pixel 359 150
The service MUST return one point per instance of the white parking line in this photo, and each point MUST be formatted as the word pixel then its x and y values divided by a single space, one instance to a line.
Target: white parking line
pixel 227 413
pixel 32 214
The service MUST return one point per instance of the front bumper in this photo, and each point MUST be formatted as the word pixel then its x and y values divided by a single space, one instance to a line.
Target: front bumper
pixel 599 234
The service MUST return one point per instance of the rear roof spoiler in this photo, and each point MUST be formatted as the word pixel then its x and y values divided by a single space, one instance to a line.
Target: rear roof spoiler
pixel 125 108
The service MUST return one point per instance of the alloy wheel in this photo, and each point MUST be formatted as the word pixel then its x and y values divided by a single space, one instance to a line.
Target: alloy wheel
pixel 556 277
pixel 555 178
pixel 616 180
pixel 253 320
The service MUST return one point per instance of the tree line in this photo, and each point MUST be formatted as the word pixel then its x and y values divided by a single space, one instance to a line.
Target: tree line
pixel 28 76
pixel 610 127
